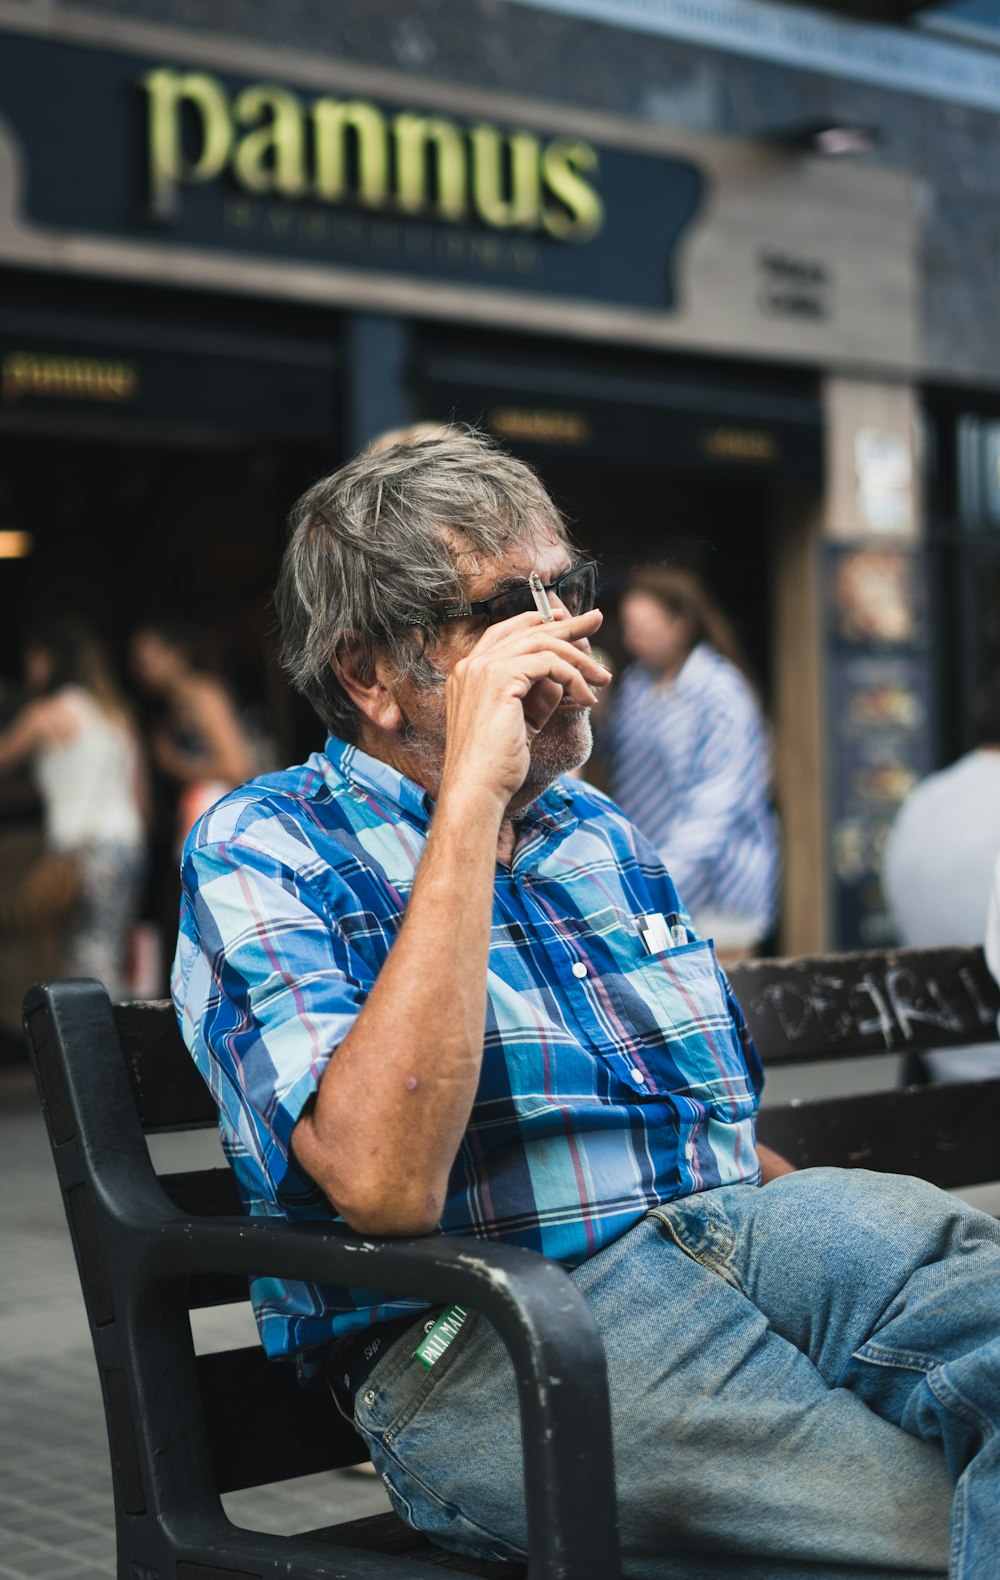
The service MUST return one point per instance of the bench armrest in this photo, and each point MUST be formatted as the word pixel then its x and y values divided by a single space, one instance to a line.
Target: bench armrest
pixel 542 1319
pixel 138 1252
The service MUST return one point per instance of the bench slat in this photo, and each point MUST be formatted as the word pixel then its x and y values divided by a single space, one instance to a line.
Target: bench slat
pixel 205 1193
pixel 169 1090
pixel 264 1427
pixel 893 1001
pixel 384 1533
pixel 949 1135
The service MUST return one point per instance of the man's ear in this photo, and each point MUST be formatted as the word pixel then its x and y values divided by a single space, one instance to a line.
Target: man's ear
pixel 364 683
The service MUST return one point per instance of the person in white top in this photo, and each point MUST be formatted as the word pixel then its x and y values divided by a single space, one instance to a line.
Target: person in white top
pixel 86 758
pixel 939 861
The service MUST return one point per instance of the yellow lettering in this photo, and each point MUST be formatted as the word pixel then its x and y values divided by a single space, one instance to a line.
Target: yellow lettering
pixel 332 121
pixel 270 158
pixel 432 166
pixel 67 378
pixel 170 94
pixel 739 444
pixel 15 373
pixel 564 167
pixel 491 183
pixel 418 141
pixel 562 427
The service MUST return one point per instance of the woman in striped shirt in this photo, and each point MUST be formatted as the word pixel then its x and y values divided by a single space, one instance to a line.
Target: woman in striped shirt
pixel 690 757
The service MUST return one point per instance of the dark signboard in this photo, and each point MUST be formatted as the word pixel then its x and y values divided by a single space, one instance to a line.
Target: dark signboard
pixel 695 426
pixel 94 384
pixel 126 147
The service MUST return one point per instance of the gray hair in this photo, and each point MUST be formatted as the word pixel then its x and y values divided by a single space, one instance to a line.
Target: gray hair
pixel 378 550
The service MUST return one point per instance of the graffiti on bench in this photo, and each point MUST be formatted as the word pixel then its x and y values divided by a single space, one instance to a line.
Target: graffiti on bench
pixel 895 1002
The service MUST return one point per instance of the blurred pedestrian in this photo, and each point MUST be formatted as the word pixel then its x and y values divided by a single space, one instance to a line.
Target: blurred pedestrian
pixel 939 861
pixel 202 745
pixel 76 732
pixel 690 758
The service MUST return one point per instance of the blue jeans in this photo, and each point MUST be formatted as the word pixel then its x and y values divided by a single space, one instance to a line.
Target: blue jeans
pixel 805 1382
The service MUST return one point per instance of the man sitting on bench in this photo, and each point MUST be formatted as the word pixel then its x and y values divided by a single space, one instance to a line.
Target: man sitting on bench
pixel 434 984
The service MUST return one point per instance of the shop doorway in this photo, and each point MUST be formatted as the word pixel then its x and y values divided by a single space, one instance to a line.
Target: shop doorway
pixel 122 535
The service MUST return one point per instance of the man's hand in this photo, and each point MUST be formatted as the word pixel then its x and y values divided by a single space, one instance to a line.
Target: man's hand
pixel 506 690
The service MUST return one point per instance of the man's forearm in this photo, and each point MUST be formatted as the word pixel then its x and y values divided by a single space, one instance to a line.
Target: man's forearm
pixel 395 1099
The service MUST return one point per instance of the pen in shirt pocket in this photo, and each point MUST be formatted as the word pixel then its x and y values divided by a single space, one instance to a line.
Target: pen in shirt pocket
pixel 657 934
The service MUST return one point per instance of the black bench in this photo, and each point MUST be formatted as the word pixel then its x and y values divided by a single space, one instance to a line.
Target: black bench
pixel 901 1001
pixel 185 1429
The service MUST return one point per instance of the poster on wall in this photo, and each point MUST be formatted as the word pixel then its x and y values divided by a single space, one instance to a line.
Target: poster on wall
pixel 880 712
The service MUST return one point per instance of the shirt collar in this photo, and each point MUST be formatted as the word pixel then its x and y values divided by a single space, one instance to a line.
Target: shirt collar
pixel 699 659
pixel 552 812
pixel 371 776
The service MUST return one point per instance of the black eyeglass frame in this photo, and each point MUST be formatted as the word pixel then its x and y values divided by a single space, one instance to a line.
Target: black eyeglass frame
pixel 484 605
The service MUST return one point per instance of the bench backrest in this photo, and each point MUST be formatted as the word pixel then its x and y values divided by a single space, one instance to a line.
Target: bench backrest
pixel 820 1008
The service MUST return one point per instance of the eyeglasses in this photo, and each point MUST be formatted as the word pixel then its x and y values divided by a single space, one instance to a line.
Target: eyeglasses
pixel 576 589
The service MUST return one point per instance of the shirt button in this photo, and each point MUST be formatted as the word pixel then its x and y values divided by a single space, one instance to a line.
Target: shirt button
pixel 370 1396
pixel 689 1150
pixel 579 969
pixel 638 1077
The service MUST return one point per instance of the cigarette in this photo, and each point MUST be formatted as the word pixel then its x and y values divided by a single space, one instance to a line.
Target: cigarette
pixel 541 597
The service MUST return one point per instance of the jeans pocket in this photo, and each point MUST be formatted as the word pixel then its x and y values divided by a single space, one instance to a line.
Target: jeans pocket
pixel 400 1385
pixel 427 1446
pixel 700 1227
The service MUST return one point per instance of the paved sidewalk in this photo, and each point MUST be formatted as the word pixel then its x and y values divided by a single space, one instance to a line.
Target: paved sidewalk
pixel 56 1510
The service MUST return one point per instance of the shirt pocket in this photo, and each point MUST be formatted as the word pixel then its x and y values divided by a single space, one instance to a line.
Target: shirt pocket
pixel 682 1035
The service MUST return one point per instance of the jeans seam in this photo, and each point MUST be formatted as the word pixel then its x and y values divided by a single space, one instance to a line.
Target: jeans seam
pixel 450 1510
pixel 955 1401
pixel 959 1526
pixel 874 1354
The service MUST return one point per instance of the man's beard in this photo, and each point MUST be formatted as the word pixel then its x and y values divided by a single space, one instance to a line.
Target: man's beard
pixel 565 742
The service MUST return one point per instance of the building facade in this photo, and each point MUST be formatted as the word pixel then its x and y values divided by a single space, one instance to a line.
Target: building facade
pixel 236 244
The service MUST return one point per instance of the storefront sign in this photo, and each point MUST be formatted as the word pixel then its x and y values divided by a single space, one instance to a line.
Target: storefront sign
pixel 540 425
pixel 208 160
pixel 32 375
pixel 336 183
pixel 628 425
pixel 193 390
pixel 349 152
pixel 755 446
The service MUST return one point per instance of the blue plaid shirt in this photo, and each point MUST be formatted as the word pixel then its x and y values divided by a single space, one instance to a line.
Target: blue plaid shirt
pixel 613 1079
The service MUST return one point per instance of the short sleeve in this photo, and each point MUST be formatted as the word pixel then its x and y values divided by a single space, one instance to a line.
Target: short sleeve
pixel 269 978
